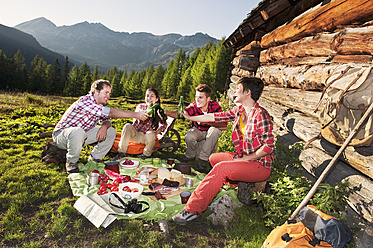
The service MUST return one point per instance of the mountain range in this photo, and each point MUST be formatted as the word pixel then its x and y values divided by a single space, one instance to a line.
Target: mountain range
pixel 98 45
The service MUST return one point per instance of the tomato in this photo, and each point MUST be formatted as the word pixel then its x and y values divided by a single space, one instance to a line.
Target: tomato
pixel 126 189
pixel 103 192
pixel 117 181
pixel 134 190
pixel 109 185
pixel 150 181
pixel 133 180
pixel 102 187
pixel 114 188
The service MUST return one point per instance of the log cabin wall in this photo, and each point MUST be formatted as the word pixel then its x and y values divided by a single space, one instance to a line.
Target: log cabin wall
pixel 294 46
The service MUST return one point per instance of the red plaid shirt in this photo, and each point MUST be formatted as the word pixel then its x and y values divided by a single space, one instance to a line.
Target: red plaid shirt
pixel 144 126
pixel 258 132
pixel 84 113
pixel 193 110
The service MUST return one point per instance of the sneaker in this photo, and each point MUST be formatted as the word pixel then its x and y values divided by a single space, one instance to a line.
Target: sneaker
pixel 184 217
pixel 185 159
pixel 142 156
pixel 95 160
pixel 120 155
pixel 72 167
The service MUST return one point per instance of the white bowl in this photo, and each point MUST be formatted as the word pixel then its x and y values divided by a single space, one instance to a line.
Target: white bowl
pixel 131 185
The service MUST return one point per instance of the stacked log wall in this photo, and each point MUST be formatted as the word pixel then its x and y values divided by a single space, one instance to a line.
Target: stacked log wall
pixel 295 61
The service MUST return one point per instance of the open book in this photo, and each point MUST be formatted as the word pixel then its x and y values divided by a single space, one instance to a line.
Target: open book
pixel 96 209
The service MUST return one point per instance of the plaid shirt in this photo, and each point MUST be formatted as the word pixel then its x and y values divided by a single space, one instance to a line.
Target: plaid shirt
pixel 258 132
pixel 144 126
pixel 84 113
pixel 193 110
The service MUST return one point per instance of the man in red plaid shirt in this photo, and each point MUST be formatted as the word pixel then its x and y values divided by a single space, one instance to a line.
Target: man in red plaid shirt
pixel 202 138
pixel 253 139
pixel 77 126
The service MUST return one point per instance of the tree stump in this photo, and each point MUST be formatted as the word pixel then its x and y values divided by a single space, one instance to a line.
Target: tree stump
pixel 246 190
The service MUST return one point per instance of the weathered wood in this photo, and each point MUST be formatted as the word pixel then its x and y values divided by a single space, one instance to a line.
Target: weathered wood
pixel 302 101
pixel 305 128
pixel 304 77
pixel 349 41
pixel 360 198
pixel 323 17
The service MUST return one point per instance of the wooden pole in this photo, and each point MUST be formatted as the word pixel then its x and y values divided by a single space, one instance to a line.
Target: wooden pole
pixel 331 164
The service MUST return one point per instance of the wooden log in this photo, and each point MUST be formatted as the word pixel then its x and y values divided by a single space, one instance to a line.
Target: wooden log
pixel 323 17
pixel 306 128
pixel 352 59
pixel 354 41
pixel 361 190
pixel 348 41
pixel 304 77
pixel 246 62
pixel 302 101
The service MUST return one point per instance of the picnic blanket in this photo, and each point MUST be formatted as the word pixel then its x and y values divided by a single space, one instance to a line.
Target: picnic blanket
pixel 161 209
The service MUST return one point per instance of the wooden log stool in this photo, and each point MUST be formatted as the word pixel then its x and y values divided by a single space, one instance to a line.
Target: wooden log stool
pixel 246 190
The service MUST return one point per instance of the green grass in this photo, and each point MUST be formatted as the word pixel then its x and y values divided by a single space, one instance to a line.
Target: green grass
pixel 36 203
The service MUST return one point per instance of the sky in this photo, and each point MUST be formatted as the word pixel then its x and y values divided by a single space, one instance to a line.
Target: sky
pixel 217 18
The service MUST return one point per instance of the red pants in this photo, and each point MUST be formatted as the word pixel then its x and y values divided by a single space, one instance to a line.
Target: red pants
pixel 224 168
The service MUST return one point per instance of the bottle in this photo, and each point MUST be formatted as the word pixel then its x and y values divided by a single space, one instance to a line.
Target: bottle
pixel 180 108
pixel 163 115
pixel 151 108
pixel 144 175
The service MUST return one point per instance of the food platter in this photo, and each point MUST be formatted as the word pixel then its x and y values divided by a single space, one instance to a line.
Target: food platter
pixel 129 164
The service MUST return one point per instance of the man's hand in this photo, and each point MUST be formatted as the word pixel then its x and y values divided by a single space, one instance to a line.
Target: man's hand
pixel 142 116
pixel 101 134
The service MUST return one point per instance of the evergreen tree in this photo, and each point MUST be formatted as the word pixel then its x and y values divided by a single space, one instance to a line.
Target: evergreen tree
pixel 37 75
pixel 85 76
pixel 116 86
pixel 54 78
pixel 3 70
pixel 95 74
pixel 146 82
pixel 126 85
pixel 220 66
pixel 74 86
pixel 157 77
pixel 20 72
pixel 166 82
pixel 184 87
pixel 122 82
pixel 64 75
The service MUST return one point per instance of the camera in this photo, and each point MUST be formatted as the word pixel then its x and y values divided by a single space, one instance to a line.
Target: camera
pixel 133 206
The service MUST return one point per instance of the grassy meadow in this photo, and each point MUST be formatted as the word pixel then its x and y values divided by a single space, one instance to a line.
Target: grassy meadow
pixel 36 203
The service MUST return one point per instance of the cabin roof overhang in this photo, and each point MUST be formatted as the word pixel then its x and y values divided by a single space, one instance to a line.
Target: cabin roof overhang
pixel 267 16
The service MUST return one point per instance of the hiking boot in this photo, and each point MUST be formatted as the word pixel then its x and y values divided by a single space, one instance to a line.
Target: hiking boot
pixel 120 155
pixel 184 217
pixel 72 167
pixel 95 160
pixel 185 159
pixel 142 156
pixel 202 166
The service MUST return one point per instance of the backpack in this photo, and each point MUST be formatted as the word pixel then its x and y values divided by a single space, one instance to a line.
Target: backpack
pixel 349 92
pixel 311 228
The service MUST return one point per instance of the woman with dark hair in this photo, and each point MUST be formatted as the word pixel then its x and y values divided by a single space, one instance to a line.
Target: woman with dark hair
pixel 143 132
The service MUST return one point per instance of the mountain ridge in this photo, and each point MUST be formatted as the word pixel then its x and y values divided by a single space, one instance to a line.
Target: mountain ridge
pixel 94 43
